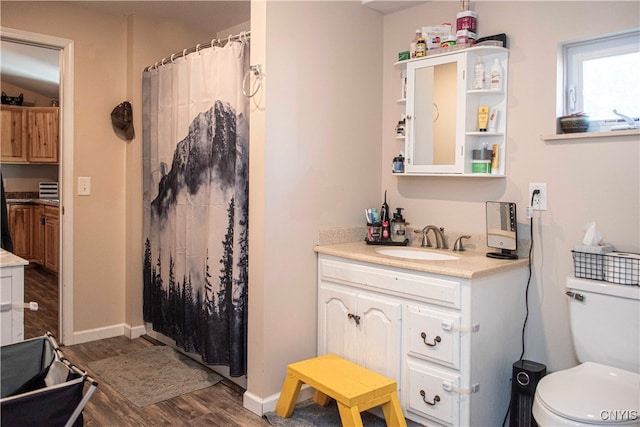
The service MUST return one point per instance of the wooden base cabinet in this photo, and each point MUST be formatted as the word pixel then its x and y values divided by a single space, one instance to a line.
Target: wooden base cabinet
pixel 449 342
pixel 21 222
pixel 35 232
pixel 51 238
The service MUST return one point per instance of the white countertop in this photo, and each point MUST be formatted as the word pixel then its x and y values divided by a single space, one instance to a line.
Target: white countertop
pixel 7 259
pixel 470 264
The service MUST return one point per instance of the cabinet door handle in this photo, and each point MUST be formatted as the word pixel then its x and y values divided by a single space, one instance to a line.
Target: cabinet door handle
pixel 354 317
pixel 436 398
pixel 436 340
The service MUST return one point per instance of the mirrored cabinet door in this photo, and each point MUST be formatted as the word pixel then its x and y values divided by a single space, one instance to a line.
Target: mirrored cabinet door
pixel 435 115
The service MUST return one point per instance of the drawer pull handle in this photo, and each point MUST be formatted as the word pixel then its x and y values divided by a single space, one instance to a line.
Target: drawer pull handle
pixel 436 340
pixel 354 317
pixel 436 398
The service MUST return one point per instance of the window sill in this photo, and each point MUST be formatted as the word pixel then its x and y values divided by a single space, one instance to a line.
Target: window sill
pixel 587 135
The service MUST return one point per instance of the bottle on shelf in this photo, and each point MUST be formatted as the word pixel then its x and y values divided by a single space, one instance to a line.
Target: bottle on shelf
pixel 414 43
pixel 496 75
pixel 478 74
pixel 421 47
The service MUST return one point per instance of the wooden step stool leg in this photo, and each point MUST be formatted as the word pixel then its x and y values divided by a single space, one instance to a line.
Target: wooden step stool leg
pixel 320 398
pixel 393 412
pixel 350 416
pixel 288 395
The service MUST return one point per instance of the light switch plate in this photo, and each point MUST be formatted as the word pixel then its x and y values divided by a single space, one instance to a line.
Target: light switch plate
pixel 84 186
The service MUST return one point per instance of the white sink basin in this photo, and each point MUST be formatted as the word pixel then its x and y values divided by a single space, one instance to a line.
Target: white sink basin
pixel 415 254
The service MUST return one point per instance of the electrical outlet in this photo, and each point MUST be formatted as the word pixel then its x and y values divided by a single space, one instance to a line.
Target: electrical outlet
pixel 539 200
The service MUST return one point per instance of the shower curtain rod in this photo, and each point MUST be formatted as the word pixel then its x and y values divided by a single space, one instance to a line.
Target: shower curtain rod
pixel 244 35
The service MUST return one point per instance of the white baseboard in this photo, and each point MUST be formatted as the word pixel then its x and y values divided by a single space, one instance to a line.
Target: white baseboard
pixel 261 406
pixel 89 335
pixel 134 332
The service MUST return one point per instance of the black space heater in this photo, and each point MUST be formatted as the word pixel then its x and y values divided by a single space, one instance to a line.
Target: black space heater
pixel 526 375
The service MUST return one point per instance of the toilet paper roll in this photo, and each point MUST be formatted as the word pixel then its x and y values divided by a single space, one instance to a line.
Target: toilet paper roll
pixel 622 268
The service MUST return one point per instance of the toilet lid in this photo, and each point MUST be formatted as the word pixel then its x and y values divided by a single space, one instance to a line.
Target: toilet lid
pixel 591 393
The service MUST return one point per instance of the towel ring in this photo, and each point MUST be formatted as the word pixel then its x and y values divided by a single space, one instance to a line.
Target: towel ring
pixel 256 72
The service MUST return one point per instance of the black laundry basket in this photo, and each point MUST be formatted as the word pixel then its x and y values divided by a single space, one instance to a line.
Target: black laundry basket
pixel 40 386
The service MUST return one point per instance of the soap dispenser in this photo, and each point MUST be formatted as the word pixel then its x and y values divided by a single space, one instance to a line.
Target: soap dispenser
pixel 398 227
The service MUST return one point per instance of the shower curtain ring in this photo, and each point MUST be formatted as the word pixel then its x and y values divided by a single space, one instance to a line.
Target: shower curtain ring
pixel 173 55
pixel 198 48
pixel 256 72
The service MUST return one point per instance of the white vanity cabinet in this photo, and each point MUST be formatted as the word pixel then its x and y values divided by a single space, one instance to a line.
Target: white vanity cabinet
pixel 441 112
pixel 11 298
pixel 449 342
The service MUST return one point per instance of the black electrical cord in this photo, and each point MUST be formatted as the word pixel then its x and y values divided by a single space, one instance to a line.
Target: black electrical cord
pixel 526 292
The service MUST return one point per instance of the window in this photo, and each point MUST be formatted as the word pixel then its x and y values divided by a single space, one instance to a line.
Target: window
pixel 601 75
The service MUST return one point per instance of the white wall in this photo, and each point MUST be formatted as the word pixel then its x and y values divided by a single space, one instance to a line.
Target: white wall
pixel 315 164
pixel 587 180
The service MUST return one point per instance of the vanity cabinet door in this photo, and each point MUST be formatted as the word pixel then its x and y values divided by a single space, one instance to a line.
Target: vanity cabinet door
pixel 380 334
pixel 362 327
pixel 52 238
pixel 336 323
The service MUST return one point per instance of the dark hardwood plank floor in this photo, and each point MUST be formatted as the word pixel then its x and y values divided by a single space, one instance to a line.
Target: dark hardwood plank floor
pixel 41 286
pixel 218 405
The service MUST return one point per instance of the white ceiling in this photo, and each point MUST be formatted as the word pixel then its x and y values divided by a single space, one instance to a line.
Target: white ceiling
pixel 37 69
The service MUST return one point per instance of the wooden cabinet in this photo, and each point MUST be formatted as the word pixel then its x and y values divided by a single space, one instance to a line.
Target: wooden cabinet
pixel 13 146
pixel 38 234
pixel 35 232
pixel 21 227
pixel 43 134
pixel 449 342
pixel 29 134
pixel 52 238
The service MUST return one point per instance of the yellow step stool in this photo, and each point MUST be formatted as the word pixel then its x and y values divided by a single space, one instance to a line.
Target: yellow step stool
pixel 354 388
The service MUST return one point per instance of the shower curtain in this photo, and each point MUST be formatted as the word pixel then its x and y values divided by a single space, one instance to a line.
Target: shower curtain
pixel 195 155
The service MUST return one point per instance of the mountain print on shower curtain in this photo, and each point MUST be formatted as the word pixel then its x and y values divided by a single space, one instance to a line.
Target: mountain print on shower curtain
pixel 196 250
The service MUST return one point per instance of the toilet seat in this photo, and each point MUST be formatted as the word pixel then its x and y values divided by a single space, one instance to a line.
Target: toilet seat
pixel 592 393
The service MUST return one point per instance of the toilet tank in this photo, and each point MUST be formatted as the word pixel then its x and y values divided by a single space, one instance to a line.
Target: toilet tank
pixel 605 322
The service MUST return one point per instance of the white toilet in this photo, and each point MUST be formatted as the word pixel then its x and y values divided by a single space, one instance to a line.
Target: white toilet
pixel 605 389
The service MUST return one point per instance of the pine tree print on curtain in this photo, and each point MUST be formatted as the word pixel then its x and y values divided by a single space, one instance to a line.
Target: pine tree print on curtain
pixel 195 142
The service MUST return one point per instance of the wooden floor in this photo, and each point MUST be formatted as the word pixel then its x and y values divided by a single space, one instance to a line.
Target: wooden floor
pixel 218 405
pixel 41 286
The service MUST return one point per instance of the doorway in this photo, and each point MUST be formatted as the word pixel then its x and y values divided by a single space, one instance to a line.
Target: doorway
pixel 64 47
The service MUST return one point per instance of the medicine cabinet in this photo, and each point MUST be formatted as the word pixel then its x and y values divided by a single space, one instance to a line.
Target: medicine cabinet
pixel 441 112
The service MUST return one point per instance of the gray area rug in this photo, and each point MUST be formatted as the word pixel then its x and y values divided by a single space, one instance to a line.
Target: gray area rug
pixel 309 414
pixel 154 374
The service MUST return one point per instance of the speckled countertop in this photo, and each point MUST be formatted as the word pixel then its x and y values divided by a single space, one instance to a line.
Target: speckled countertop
pixel 470 264
pixel 36 201
pixel 7 259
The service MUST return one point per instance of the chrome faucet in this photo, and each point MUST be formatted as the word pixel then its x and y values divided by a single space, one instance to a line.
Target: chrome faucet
pixel 441 243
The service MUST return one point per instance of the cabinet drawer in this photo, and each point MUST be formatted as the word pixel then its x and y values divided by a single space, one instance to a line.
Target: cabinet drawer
pixel 427 394
pixel 433 335
pixel 423 287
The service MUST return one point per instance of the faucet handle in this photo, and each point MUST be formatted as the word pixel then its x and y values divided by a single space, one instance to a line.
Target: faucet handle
pixel 426 243
pixel 457 246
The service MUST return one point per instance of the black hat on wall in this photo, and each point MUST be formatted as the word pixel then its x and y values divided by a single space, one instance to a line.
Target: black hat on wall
pixel 122 120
